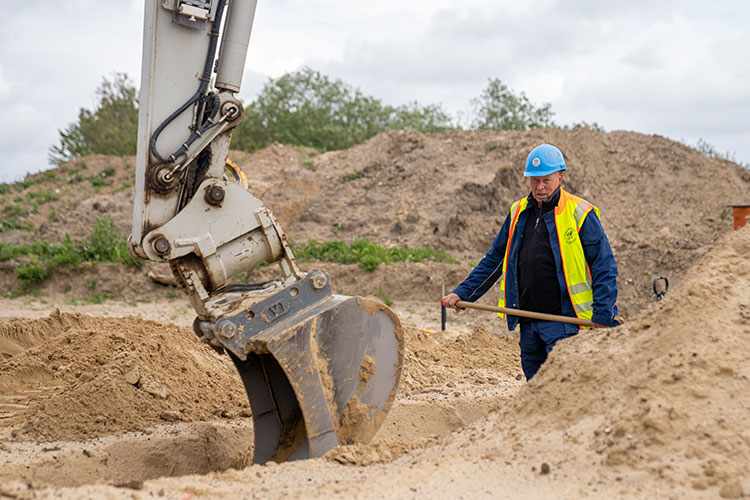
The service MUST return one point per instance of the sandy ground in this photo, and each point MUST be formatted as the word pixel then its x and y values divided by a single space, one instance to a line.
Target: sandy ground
pixel 656 408
pixel 450 383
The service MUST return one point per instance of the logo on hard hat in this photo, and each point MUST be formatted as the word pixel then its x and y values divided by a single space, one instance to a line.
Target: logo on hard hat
pixel 535 162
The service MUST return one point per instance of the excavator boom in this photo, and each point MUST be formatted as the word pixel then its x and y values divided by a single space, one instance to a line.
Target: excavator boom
pixel 319 369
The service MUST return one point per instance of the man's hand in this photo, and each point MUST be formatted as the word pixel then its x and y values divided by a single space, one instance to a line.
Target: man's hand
pixel 450 301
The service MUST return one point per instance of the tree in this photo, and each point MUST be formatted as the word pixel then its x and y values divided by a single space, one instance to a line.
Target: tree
pixel 498 108
pixel 415 116
pixel 111 128
pixel 306 108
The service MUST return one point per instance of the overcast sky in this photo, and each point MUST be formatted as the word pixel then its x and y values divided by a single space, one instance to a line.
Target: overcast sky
pixel 675 68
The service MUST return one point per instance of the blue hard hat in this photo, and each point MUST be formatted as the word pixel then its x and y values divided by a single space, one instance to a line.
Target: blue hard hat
pixel 543 160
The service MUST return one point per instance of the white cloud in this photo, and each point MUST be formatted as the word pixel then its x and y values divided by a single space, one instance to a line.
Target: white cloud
pixel 4 84
pixel 677 68
pixel 52 62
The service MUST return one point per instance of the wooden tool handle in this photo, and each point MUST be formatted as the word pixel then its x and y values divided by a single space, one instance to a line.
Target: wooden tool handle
pixel 526 314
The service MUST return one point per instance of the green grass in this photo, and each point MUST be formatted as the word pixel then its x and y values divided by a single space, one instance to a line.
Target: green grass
pixel 309 164
pixel 21 186
pixel 41 196
pixel 706 148
pixel 74 176
pixel 357 174
pixel 96 180
pixel 9 218
pixel 32 272
pixel 384 297
pixel 21 206
pixel 95 298
pixel 366 254
pixel 41 258
pixel 49 175
pixel 102 178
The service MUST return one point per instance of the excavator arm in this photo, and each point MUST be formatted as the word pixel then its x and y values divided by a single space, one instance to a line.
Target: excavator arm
pixel 319 369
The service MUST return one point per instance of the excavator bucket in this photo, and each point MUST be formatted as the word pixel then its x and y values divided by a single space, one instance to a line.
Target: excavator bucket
pixel 319 369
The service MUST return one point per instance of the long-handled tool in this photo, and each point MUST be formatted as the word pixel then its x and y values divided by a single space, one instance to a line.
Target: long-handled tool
pixel 525 314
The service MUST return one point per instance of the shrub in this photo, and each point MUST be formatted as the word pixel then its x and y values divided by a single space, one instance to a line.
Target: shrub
pixel 41 257
pixel 307 108
pixel 106 245
pixel 111 128
pixel 31 273
pixel 366 254
pixel 499 108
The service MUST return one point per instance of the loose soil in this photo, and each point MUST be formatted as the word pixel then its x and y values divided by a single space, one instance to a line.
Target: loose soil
pixel 115 399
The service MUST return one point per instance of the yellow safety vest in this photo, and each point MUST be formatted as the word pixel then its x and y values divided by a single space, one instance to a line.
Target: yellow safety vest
pixel 570 213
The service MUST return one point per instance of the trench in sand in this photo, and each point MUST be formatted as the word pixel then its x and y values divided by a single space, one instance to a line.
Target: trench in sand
pixel 91 400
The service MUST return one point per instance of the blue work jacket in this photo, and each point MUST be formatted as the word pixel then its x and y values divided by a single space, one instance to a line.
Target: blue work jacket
pixel 598 255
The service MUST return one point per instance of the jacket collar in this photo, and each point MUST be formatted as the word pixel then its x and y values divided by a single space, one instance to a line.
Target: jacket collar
pixel 547 205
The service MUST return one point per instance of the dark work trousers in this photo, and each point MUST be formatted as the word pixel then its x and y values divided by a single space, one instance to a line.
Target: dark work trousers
pixel 537 340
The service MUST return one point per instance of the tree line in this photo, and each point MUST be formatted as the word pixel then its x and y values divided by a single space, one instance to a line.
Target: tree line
pixel 300 108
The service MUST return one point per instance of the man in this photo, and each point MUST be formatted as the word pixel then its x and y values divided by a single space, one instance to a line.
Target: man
pixel 551 256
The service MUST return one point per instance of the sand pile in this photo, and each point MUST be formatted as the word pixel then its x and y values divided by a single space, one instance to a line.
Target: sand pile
pixel 666 395
pixel 69 378
pixel 81 377
pixel 74 377
pixel 434 360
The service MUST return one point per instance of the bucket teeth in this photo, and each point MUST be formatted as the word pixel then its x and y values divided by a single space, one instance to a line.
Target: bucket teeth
pixel 319 369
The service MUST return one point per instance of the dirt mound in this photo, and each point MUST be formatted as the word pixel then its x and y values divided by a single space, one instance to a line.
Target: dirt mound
pixel 83 377
pixel 473 177
pixel 666 394
pixel 69 198
pixel 17 336
pixel 76 377
pixel 478 358
pixel 662 203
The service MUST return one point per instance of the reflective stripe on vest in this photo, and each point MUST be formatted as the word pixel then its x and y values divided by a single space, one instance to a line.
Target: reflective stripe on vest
pixel 570 213
pixel 515 210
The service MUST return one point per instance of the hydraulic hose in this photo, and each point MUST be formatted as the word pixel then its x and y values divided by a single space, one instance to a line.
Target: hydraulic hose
pixel 199 96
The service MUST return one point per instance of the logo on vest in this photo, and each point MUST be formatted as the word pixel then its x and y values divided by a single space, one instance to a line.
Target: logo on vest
pixel 570 236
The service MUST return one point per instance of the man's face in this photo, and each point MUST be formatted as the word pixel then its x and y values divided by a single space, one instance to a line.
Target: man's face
pixel 543 187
